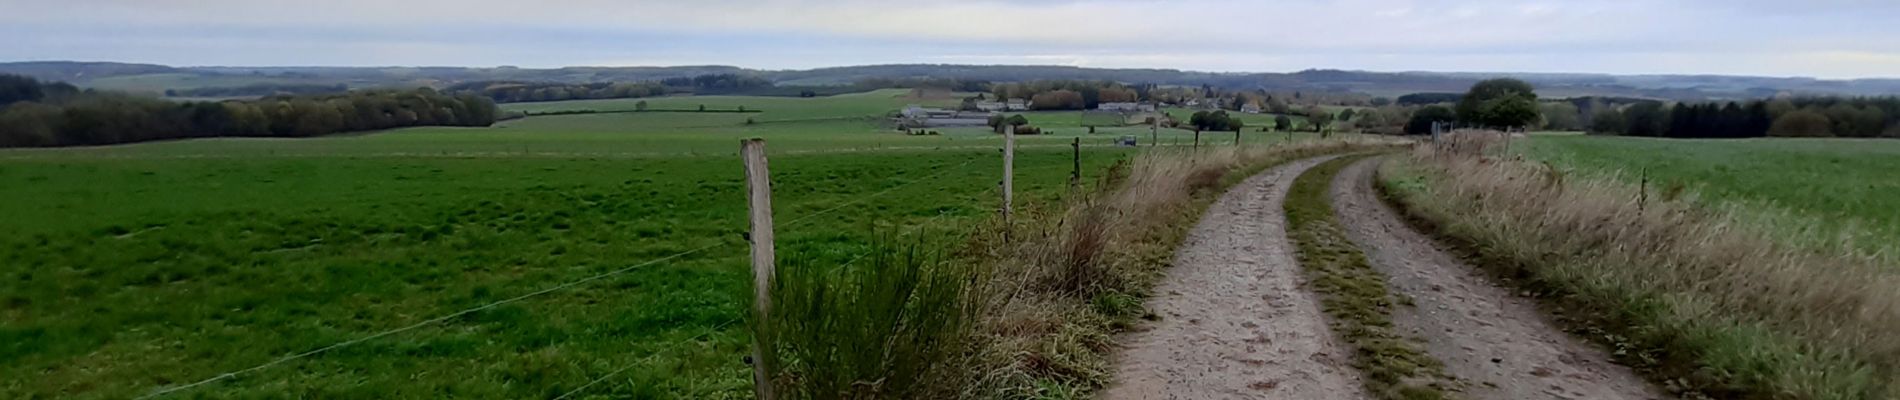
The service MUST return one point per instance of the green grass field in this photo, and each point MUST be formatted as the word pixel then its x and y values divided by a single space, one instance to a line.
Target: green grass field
pixel 137 267
pixel 1840 181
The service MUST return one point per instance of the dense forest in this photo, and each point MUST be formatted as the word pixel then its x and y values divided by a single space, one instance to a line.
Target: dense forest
pixel 1798 117
pixel 33 113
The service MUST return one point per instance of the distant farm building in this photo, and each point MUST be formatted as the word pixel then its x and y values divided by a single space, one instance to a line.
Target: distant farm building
pixel 1125 107
pixel 991 106
pixel 1016 105
pixel 1250 109
pixel 915 116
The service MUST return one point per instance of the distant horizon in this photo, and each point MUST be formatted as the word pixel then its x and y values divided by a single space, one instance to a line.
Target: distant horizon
pixel 1823 39
pixel 1186 70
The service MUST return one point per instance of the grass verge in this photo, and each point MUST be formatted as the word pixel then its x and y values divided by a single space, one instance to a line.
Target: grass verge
pixel 1354 294
pixel 1697 298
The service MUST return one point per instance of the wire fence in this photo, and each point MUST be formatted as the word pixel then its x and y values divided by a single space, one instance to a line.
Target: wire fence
pixel 160 392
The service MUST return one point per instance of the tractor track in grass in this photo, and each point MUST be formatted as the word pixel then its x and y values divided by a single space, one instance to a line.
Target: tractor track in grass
pixel 1238 319
pixel 1496 344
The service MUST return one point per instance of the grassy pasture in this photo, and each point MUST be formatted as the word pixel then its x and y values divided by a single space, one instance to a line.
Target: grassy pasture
pixel 129 268
pixel 1835 181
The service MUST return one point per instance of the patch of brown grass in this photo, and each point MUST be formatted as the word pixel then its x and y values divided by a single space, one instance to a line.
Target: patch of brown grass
pixel 1699 297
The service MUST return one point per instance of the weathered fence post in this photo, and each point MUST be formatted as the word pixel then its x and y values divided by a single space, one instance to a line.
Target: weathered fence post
pixel 1236 136
pixel 1197 138
pixel 1075 175
pixel 759 199
pixel 1154 133
pixel 1009 170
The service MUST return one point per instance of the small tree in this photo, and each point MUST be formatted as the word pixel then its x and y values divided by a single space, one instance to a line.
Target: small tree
pixel 640 106
pixel 1561 116
pixel 1421 122
pixel 1346 115
pixel 1320 120
pixel 1802 123
pixel 1476 104
pixel 1516 110
pixel 1608 121
pixel 1369 120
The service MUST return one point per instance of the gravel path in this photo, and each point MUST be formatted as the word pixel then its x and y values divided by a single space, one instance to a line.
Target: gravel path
pixel 1498 345
pixel 1235 320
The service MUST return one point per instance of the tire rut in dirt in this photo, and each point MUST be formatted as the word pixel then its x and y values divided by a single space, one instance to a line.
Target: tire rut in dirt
pixel 1498 345
pixel 1236 322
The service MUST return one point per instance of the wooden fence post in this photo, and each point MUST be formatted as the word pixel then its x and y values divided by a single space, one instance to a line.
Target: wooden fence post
pixel 1236 136
pixel 1075 175
pixel 759 199
pixel 1009 170
pixel 1154 133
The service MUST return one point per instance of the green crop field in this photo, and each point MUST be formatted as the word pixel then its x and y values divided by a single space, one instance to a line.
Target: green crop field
pixel 1841 181
pixel 138 267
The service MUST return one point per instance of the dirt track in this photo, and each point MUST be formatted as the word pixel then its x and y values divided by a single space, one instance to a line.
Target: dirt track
pixel 1236 323
pixel 1498 345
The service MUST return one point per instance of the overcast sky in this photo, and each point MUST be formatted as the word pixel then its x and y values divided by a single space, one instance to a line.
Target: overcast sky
pixel 1820 38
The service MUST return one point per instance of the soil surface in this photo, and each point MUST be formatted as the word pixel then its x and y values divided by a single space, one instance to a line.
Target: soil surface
pixel 1235 321
pixel 1498 345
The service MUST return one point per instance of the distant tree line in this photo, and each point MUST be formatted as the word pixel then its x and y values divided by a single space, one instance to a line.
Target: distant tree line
pixel 521 92
pixel 1793 117
pixel 259 89
pixel 57 114
pixel 718 83
pixel 1419 99
pixel 953 84
pixel 1067 94
pixel 1214 121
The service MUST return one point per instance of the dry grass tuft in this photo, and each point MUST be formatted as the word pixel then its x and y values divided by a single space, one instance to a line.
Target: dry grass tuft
pixel 1698 296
